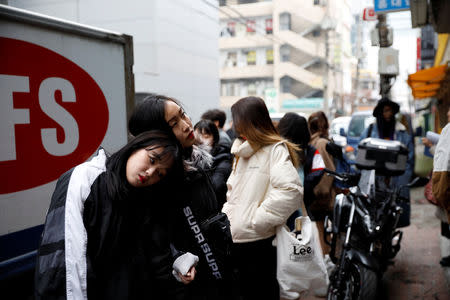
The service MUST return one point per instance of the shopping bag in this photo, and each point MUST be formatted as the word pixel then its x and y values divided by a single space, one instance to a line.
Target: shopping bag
pixel 428 193
pixel 300 264
pixel 423 164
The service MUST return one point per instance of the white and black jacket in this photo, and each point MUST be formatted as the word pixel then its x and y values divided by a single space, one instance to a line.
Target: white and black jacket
pixel 98 248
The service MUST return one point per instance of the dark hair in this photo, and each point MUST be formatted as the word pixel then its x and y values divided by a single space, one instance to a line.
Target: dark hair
pixel 215 115
pixel 252 120
pixel 208 127
pixel 117 183
pixel 295 128
pixel 318 122
pixel 149 114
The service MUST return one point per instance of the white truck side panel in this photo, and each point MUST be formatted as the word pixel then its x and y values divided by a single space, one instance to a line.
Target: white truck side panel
pixel 104 61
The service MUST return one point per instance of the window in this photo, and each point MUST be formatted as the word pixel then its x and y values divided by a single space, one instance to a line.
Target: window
pixel 251 89
pixel 286 84
pixel 240 29
pixel 285 21
pixel 231 60
pixel 316 32
pixel 269 26
pixel 251 26
pixel 251 57
pixel 231 28
pixel 285 53
pixel 269 56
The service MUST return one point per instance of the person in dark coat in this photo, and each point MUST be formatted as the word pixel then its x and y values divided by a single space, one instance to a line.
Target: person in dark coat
pixel 105 234
pixel 218 117
pixel 388 128
pixel 196 201
pixel 295 128
pixel 207 137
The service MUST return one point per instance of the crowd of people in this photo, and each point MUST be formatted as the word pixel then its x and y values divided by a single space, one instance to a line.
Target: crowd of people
pixel 187 211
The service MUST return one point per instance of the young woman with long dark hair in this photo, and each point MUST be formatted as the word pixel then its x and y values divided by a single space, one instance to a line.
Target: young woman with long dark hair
pixel 264 189
pixel 195 201
pixel 106 225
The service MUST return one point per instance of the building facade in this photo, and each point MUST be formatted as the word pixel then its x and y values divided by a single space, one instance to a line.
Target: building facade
pixel 175 42
pixel 286 51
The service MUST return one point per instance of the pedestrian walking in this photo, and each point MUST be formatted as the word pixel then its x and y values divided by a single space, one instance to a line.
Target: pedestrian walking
pixel 264 189
pixel 106 225
pixel 386 127
pixel 198 228
pixel 207 135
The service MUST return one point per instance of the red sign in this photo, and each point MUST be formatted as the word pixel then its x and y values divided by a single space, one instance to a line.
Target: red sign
pixel 53 115
pixel 369 14
pixel 419 55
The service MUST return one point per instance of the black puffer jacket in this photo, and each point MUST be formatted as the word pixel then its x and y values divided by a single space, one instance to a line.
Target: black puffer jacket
pixel 199 203
pixel 93 246
pixel 220 171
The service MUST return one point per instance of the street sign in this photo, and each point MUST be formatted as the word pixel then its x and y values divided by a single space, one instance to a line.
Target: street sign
pixel 387 6
pixel 369 14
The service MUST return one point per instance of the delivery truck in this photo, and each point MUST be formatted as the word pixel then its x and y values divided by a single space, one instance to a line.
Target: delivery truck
pixel 66 89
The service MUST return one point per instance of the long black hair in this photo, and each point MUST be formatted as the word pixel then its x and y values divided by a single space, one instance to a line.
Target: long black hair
pixel 208 127
pixel 295 128
pixel 149 114
pixel 251 120
pixel 117 184
pixel 318 122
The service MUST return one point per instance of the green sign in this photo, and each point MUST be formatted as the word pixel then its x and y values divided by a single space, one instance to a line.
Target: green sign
pixel 271 99
pixel 303 103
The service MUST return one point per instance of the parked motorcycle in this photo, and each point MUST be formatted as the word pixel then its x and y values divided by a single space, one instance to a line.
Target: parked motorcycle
pixel 362 231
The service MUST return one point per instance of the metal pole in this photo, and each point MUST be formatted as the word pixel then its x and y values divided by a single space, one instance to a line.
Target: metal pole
pixel 355 101
pixel 385 80
pixel 326 85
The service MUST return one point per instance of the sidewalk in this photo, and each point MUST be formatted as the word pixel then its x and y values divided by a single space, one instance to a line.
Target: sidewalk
pixel 417 273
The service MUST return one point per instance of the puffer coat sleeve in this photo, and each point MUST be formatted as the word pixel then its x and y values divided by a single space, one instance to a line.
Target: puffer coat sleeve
pixel 284 194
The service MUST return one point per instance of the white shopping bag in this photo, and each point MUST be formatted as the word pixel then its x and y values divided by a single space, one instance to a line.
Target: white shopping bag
pixel 300 264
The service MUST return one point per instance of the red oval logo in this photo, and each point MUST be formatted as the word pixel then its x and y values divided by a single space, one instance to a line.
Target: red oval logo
pixel 53 115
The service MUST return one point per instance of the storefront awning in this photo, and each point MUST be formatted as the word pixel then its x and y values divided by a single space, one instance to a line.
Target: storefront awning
pixel 426 83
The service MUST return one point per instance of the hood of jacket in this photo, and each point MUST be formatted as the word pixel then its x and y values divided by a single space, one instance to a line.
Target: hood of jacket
pixel 242 148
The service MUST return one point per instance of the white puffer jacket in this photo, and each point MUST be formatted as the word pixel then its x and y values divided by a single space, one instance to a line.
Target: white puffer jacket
pixel 264 189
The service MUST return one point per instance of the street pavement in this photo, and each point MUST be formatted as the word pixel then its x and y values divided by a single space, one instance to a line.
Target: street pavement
pixel 417 273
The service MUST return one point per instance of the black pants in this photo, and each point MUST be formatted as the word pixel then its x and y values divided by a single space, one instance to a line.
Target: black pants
pixel 256 263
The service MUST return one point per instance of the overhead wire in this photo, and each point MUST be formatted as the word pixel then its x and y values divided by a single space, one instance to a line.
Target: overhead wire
pixel 244 22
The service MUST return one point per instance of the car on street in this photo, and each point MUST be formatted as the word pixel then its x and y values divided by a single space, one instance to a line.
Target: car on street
pixel 359 122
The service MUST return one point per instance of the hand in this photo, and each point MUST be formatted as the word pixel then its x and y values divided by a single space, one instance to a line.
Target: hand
pixel 189 277
pixel 427 142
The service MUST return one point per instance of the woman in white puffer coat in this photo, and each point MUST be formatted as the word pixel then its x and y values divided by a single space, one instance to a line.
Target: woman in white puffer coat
pixel 264 189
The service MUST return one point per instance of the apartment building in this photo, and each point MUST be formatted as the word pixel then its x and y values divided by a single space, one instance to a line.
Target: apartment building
pixel 295 53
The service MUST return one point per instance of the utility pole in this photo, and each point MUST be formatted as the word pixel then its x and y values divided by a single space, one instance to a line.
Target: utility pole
pixel 355 101
pixel 326 86
pixel 328 24
pixel 385 41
